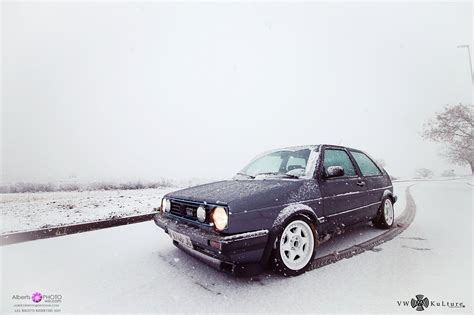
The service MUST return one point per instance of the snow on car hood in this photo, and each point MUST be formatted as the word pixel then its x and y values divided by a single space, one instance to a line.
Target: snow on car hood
pixel 246 195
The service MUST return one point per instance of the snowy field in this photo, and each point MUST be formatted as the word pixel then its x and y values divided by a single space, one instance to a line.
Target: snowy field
pixel 31 211
pixel 135 268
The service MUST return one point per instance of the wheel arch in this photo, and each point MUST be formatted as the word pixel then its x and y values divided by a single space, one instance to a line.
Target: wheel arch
pixel 389 194
pixel 295 209
pixel 285 214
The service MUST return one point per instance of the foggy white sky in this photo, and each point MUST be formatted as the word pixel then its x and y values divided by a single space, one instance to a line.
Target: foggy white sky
pixel 141 91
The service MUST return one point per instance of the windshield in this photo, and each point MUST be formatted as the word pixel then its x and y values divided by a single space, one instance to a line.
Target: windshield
pixel 284 162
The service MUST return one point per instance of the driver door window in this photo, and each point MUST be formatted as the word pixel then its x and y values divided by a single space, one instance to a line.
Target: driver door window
pixel 335 157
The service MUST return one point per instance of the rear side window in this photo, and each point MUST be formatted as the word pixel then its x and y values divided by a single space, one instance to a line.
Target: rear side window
pixel 367 167
pixel 333 157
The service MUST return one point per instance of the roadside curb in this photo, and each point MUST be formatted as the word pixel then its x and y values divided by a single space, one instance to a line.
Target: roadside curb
pixel 19 237
pixel 401 224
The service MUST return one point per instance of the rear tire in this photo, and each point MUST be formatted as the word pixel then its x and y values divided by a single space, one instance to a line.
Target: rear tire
pixel 295 246
pixel 385 216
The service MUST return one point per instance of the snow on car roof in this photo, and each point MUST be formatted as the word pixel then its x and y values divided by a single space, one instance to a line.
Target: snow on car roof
pixel 295 148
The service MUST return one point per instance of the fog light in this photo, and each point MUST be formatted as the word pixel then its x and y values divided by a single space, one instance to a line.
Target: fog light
pixel 201 214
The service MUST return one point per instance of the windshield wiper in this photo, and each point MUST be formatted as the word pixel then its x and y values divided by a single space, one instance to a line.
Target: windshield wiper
pixel 291 175
pixel 277 173
pixel 249 176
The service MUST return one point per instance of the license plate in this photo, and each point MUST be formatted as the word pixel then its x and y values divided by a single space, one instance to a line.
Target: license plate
pixel 181 238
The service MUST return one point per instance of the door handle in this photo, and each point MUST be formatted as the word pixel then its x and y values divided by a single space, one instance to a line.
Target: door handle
pixel 360 183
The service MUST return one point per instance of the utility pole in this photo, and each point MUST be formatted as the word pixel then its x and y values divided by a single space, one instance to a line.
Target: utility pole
pixel 470 62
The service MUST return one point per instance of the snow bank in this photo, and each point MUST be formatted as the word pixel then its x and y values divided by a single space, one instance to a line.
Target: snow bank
pixel 32 211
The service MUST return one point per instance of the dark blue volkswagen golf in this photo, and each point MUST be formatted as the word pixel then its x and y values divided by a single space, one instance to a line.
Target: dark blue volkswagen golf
pixel 278 207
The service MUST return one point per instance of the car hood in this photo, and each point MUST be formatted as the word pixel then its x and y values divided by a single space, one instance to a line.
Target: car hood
pixel 246 195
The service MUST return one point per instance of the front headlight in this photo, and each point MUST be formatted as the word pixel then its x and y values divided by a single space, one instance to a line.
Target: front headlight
pixel 165 205
pixel 220 218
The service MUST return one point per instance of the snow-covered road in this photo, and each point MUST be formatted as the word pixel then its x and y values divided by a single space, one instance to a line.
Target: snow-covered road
pixel 135 268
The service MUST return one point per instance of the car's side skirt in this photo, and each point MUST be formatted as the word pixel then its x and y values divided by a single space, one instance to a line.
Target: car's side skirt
pixel 354 209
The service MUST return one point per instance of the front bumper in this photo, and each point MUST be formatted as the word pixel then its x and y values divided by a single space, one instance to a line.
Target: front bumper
pixel 223 251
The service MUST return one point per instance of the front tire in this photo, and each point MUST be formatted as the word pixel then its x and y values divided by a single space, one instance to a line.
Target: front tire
pixel 295 247
pixel 385 216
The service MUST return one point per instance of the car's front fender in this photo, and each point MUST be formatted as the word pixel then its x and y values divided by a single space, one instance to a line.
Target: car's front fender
pixel 293 209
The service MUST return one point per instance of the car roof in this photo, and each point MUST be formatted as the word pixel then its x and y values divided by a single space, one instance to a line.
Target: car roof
pixel 340 146
pixel 312 147
pixel 295 148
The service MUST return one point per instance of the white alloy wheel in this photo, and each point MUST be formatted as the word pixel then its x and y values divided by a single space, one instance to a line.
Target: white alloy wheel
pixel 296 245
pixel 388 211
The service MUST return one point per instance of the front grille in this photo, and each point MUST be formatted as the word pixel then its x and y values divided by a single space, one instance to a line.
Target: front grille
pixel 184 209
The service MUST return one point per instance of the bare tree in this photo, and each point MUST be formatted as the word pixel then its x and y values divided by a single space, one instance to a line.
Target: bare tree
pixel 454 128
pixel 424 173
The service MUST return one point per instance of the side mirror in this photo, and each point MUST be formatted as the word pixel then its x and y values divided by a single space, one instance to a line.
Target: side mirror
pixel 334 171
